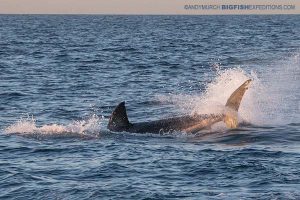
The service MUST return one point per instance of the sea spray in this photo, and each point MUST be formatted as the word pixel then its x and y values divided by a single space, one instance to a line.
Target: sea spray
pixel 279 92
pixel 215 95
pixel 90 126
pixel 271 99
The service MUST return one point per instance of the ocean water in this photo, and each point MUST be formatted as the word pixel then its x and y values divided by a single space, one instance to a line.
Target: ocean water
pixel 62 75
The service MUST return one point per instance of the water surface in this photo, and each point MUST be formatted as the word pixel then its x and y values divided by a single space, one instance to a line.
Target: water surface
pixel 61 77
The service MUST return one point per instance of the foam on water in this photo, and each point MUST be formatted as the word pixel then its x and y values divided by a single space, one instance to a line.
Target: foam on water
pixel 89 127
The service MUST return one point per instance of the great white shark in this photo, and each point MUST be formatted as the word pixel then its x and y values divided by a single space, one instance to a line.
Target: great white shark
pixel 119 122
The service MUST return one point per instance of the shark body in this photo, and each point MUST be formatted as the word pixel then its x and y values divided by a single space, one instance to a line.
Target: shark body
pixel 119 122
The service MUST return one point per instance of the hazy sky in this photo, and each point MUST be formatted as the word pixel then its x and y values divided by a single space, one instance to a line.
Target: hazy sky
pixel 136 6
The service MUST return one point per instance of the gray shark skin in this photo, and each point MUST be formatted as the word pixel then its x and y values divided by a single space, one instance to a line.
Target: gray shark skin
pixel 119 122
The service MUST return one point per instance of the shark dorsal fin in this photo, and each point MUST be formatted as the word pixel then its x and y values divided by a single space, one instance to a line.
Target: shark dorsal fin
pixel 118 119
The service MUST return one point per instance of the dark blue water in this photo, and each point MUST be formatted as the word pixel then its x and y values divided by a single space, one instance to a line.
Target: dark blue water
pixel 61 76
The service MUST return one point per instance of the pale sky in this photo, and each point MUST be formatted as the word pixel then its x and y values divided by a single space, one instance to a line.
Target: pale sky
pixel 137 6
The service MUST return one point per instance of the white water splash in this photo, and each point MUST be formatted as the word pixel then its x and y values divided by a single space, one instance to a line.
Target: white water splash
pixel 279 95
pixel 89 127
pixel 215 95
pixel 272 98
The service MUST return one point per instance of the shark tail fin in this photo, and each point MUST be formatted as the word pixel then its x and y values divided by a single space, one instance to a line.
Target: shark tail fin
pixel 233 104
pixel 118 120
